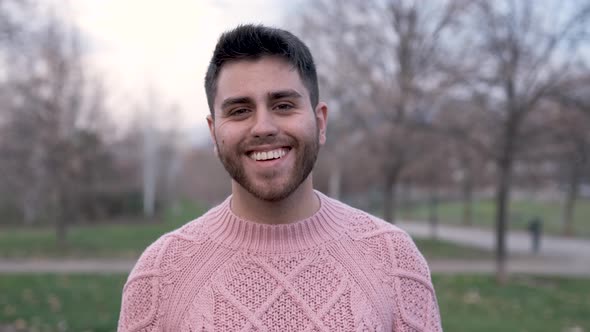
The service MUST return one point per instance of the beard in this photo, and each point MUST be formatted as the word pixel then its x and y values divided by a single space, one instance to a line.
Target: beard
pixel 264 188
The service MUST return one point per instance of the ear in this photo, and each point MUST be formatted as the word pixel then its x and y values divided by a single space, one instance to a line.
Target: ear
pixel 321 114
pixel 211 124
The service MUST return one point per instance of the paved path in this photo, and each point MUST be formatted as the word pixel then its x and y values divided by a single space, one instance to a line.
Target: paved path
pixel 443 266
pixel 91 266
pixel 518 242
pixel 519 266
pixel 558 255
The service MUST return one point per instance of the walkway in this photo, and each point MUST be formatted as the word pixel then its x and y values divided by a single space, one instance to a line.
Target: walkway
pixel 558 255
pixel 518 242
pixel 90 266
pixel 537 266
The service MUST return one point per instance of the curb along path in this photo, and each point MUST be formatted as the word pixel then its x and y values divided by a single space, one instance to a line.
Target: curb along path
pixel 517 242
pixel 558 256
pixel 438 266
pixel 78 266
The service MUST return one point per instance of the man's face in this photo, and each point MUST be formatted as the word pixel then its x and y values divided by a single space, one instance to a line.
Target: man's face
pixel 266 132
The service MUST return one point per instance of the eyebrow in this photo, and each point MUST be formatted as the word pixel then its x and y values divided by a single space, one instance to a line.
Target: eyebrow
pixel 236 101
pixel 274 95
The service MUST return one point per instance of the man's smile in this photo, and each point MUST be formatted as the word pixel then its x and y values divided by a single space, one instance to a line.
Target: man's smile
pixel 269 154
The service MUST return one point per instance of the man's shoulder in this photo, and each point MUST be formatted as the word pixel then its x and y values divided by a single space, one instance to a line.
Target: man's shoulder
pixel 364 225
pixel 383 237
pixel 161 252
pixel 360 222
pixel 151 277
pixel 397 266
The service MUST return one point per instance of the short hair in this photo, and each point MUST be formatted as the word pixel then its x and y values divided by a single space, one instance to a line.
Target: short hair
pixel 251 42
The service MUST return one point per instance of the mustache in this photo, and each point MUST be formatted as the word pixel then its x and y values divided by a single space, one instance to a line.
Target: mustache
pixel 254 142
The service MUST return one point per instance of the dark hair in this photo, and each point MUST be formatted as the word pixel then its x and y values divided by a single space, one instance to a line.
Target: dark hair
pixel 253 42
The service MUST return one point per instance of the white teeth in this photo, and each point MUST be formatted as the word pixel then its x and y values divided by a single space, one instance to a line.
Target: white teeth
pixel 274 154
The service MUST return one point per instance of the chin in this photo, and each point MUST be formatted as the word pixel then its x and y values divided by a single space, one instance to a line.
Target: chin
pixel 271 195
pixel 272 192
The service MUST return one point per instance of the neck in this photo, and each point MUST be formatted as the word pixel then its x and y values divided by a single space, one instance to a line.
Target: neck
pixel 301 204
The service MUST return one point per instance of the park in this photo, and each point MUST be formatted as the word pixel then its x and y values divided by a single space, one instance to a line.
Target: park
pixel 465 123
pixel 79 288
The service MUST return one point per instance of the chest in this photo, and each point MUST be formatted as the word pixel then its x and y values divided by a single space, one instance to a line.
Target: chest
pixel 308 292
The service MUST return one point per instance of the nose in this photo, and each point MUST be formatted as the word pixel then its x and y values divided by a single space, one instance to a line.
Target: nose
pixel 264 124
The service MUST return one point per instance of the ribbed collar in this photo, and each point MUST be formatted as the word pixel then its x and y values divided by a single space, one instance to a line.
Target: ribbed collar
pixel 327 224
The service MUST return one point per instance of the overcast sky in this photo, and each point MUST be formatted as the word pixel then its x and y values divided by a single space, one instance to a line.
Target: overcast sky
pixel 165 44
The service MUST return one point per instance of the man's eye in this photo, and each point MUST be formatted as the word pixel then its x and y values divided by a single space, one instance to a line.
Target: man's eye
pixel 284 107
pixel 239 111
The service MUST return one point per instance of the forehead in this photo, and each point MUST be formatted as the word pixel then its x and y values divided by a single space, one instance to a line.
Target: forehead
pixel 256 78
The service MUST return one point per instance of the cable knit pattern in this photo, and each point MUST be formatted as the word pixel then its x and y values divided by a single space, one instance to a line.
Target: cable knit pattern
pixel 340 270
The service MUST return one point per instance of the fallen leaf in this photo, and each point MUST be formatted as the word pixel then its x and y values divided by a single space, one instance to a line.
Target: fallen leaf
pixel 54 303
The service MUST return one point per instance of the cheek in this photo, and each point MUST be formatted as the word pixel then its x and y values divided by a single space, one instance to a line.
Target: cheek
pixel 227 141
pixel 223 134
pixel 306 126
pixel 221 140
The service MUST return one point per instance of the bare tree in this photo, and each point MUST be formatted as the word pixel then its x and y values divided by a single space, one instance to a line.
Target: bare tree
pixel 204 178
pixel 12 12
pixel 55 116
pixel 573 129
pixel 569 132
pixel 575 93
pixel 465 173
pixel 578 162
pixel 433 174
pixel 470 130
pixel 521 52
pixel 381 61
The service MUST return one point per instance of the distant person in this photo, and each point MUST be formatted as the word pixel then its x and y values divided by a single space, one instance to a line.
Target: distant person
pixel 535 229
pixel 276 255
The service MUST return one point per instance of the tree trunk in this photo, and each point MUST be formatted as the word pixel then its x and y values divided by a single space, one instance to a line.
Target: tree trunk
pixel 570 200
pixel 433 213
pixel 505 164
pixel 389 199
pixel 29 208
pixel 467 201
pixel 404 200
pixel 335 182
pixel 60 215
pixel 502 206
pixel 61 232
pixel 150 171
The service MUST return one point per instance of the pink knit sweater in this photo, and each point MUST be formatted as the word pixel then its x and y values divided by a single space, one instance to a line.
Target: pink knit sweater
pixel 339 270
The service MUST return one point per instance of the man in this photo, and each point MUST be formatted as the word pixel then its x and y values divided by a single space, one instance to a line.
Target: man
pixel 276 255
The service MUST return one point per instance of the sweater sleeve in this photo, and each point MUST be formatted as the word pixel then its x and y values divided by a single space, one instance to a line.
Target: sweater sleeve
pixel 416 298
pixel 141 293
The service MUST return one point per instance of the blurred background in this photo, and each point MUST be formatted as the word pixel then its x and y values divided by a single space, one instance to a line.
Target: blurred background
pixel 466 122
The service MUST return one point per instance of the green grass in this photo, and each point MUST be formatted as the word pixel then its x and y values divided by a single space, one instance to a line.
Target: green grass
pixel 112 240
pixel 437 249
pixel 130 239
pixel 477 303
pixel 61 303
pixel 467 303
pixel 521 212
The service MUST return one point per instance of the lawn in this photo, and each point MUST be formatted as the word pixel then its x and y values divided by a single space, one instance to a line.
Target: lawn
pixel 437 249
pixel 128 240
pixel 467 303
pixel 521 212
pixel 60 302
pixel 476 303
pixel 123 240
